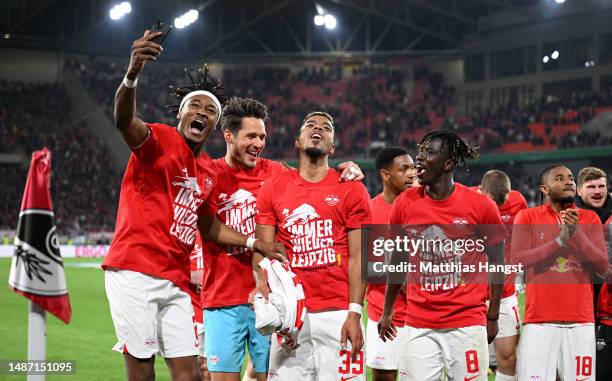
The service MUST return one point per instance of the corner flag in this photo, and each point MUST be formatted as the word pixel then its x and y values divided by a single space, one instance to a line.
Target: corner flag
pixel 37 271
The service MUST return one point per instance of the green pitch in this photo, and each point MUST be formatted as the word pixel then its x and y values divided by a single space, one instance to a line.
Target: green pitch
pixel 89 337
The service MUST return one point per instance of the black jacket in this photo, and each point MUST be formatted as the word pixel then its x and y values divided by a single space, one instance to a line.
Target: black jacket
pixel 604 212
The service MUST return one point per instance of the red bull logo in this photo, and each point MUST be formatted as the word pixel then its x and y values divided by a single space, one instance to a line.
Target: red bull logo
pixel 300 215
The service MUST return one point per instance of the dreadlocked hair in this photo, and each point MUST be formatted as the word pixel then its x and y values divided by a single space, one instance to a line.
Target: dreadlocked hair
pixel 460 152
pixel 203 81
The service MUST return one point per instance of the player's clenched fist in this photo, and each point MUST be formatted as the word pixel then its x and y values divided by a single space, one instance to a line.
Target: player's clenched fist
pixel 143 50
pixel 272 250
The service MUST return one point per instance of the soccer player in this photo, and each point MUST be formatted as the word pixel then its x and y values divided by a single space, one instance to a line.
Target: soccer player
pixel 593 195
pixel 227 282
pixel 319 220
pixel 397 173
pixel 604 315
pixel 447 321
pixel 167 179
pixel 496 185
pixel 558 244
pixel 593 192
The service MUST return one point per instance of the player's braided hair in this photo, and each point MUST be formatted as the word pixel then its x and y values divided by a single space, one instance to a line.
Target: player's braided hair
pixel 460 152
pixel 203 81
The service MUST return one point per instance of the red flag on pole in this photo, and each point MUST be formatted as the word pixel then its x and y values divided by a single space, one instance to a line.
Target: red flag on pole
pixel 37 271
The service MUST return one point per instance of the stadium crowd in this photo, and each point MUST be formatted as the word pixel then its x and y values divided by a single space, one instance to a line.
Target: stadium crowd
pixel 377 104
pixel 84 186
pixel 374 101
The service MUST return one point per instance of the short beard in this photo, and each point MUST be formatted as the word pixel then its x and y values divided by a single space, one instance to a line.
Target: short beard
pixel 314 153
pixel 565 200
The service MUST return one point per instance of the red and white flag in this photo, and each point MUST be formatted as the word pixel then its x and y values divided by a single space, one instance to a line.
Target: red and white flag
pixel 37 271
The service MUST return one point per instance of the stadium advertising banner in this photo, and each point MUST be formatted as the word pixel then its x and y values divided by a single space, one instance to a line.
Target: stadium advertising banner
pixel 68 251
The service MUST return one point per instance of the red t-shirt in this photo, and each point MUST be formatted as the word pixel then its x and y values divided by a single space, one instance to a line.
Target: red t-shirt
pixel 558 287
pixel 448 302
pixel 604 302
pixel 197 264
pixel 312 221
pixel 508 211
pixel 228 278
pixel 375 293
pixel 161 193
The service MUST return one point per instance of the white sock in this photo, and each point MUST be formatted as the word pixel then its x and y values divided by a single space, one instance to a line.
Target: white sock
pixel 503 377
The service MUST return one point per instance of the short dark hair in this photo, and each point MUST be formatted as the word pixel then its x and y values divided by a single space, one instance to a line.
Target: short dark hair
pixel 543 176
pixel 497 184
pixel 321 113
pixel 590 173
pixel 384 158
pixel 460 152
pixel 238 108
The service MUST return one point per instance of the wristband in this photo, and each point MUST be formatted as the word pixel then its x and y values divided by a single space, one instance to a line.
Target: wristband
pixel 129 83
pixel 250 243
pixel 496 318
pixel 356 308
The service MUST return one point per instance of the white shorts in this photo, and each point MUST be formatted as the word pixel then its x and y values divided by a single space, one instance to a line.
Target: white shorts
pixel 201 347
pixel 319 355
pixel 382 355
pixel 545 349
pixel 509 322
pixel 462 352
pixel 151 315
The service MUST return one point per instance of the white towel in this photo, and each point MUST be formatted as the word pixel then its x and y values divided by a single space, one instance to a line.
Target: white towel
pixel 285 310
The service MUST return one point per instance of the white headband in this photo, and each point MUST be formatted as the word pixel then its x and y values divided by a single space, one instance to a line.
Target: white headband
pixel 208 94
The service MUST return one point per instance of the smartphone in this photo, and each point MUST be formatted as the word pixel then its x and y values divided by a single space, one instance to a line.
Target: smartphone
pixel 159 26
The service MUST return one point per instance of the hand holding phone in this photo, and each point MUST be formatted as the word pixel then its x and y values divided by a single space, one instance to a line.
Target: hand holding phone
pixel 144 49
pixel 159 26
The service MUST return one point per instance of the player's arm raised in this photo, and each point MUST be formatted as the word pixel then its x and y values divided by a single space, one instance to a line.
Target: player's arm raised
pixel 133 129
pixel 351 329
pixel 216 231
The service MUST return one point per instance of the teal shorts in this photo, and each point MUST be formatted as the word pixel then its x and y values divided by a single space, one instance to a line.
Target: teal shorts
pixel 228 331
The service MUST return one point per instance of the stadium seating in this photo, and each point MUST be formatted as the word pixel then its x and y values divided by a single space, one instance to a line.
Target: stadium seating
pixel 373 107
pixel 84 188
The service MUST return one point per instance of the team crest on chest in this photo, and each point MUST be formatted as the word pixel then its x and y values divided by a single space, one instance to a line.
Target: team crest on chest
pixel 460 221
pixel 331 200
pixel 208 183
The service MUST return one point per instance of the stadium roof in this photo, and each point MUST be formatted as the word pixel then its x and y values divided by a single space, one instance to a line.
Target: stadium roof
pixel 262 28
